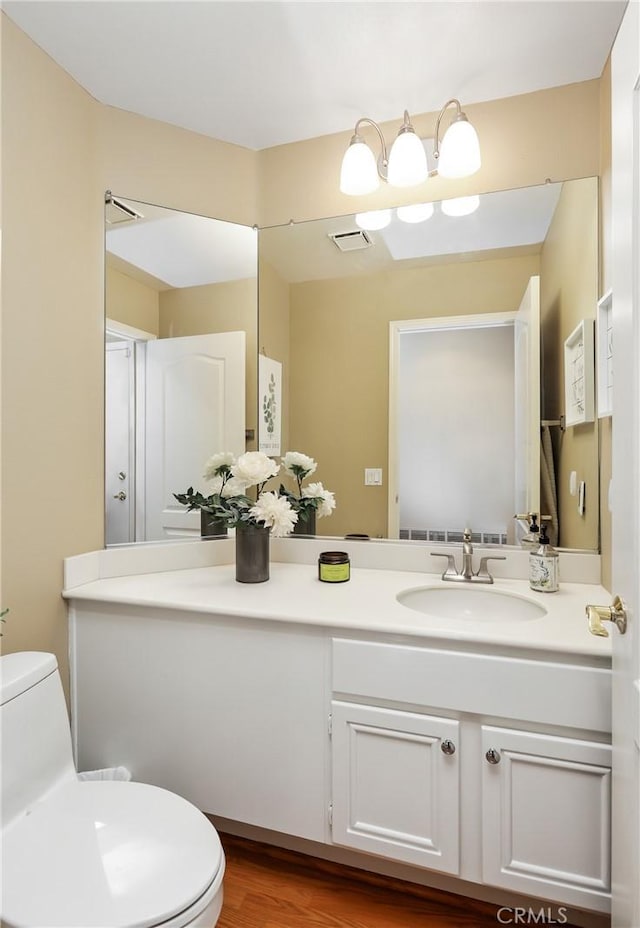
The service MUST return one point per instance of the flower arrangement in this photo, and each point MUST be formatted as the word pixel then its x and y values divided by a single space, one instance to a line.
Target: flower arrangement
pixel 231 478
pixel 310 499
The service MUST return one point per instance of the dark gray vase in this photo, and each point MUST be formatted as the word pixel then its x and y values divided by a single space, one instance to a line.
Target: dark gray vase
pixel 308 527
pixel 210 526
pixel 252 553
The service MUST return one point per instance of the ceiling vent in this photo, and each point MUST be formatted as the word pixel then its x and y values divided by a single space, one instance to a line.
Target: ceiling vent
pixel 351 241
pixel 115 211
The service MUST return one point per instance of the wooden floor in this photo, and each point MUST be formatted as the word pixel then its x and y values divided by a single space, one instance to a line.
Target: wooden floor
pixel 266 887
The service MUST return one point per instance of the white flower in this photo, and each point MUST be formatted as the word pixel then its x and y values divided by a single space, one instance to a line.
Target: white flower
pixel 298 464
pixel 275 512
pixel 254 467
pixel 224 459
pixel 233 487
pixel 317 491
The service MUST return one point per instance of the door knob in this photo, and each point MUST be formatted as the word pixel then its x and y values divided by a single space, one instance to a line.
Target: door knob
pixel 121 495
pixel 616 613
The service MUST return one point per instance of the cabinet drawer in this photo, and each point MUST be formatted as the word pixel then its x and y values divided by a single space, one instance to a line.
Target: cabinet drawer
pixel 528 690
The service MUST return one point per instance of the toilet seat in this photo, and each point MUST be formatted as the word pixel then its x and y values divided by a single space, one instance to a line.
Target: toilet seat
pixel 109 855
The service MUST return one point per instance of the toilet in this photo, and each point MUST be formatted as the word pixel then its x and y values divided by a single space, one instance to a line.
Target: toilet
pixel 94 853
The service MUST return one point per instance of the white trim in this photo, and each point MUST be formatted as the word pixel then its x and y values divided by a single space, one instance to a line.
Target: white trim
pixel 127 331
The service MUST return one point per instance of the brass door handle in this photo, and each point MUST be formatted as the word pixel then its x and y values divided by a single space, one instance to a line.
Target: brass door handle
pixel 616 613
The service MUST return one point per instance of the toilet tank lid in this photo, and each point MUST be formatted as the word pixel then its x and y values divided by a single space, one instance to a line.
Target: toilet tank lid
pixel 22 670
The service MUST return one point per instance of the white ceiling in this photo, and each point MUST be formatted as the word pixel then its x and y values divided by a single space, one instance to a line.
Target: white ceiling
pixel 265 73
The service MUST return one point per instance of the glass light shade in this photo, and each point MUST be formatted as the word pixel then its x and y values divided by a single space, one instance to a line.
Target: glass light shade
pixel 417 212
pixel 374 220
pixel 359 173
pixel 460 206
pixel 407 161
pixel 459 150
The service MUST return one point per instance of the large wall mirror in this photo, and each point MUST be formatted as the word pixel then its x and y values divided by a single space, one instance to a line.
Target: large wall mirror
pixel 441 437
pixel 181 360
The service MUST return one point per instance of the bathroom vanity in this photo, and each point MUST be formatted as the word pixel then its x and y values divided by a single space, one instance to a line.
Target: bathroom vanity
pixel 449 751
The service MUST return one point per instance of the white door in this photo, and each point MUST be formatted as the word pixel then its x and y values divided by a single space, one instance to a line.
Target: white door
pixel 527 400
pixel 119 443
pixel 626 467
pixel 195 407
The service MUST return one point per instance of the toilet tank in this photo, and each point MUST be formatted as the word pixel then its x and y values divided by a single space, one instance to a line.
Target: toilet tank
pixel 36 739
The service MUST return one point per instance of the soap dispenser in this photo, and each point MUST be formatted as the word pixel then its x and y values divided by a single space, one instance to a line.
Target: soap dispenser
pixel 543 565
pixel 532 539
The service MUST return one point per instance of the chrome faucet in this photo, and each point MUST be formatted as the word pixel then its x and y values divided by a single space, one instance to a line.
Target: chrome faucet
pixel 467 575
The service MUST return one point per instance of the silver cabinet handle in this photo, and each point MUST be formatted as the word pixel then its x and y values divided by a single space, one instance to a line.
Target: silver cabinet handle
pixel 448 747
pixel 493 756
pixel 121 495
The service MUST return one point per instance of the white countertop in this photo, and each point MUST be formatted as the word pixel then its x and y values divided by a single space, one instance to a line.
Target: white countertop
pixel 367 603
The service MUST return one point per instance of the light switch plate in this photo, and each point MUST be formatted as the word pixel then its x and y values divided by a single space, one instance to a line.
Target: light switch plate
pixel 373 476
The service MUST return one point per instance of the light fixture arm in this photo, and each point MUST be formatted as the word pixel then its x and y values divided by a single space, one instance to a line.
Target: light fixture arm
pixel 383 160
pixel 459 115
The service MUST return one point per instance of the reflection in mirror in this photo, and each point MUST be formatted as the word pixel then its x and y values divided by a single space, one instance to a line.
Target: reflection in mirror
pixel 181 355
pixel 329 293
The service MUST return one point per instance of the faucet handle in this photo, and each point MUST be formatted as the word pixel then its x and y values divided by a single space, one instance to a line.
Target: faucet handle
pixel 483 571
pixel 450 569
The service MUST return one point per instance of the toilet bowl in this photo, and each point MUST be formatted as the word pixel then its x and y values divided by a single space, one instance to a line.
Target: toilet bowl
pixel 91 854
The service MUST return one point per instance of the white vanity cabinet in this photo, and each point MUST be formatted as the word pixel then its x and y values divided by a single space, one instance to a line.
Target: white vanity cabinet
pixel 229 713
pixel 495 769
pixel 368 744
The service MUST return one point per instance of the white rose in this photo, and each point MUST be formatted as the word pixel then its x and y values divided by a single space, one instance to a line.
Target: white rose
pixel 317 491
pixel 224 459
pixel 298 464
pixel 275 512
pixel 254 467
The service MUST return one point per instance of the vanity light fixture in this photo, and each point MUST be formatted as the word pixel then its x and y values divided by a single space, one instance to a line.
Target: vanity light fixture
pixel 416 212
pixel 374 220
pixel 460 206
pixel 406 164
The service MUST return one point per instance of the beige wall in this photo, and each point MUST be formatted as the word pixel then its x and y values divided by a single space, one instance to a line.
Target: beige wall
pixel 568 294
pixel 131 302
pixel 224 307
pixel 274 320
pixel 340 367
pixel 52 349
pixel 61 151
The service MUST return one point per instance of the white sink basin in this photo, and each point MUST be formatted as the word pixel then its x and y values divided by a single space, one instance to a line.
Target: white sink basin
pixel 475 603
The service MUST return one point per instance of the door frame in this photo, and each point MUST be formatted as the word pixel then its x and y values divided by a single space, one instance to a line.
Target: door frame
pixel 625 284
pixel 137 339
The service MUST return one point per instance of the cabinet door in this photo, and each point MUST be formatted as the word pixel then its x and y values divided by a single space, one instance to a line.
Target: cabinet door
pixel 546 816
pixel 395 790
